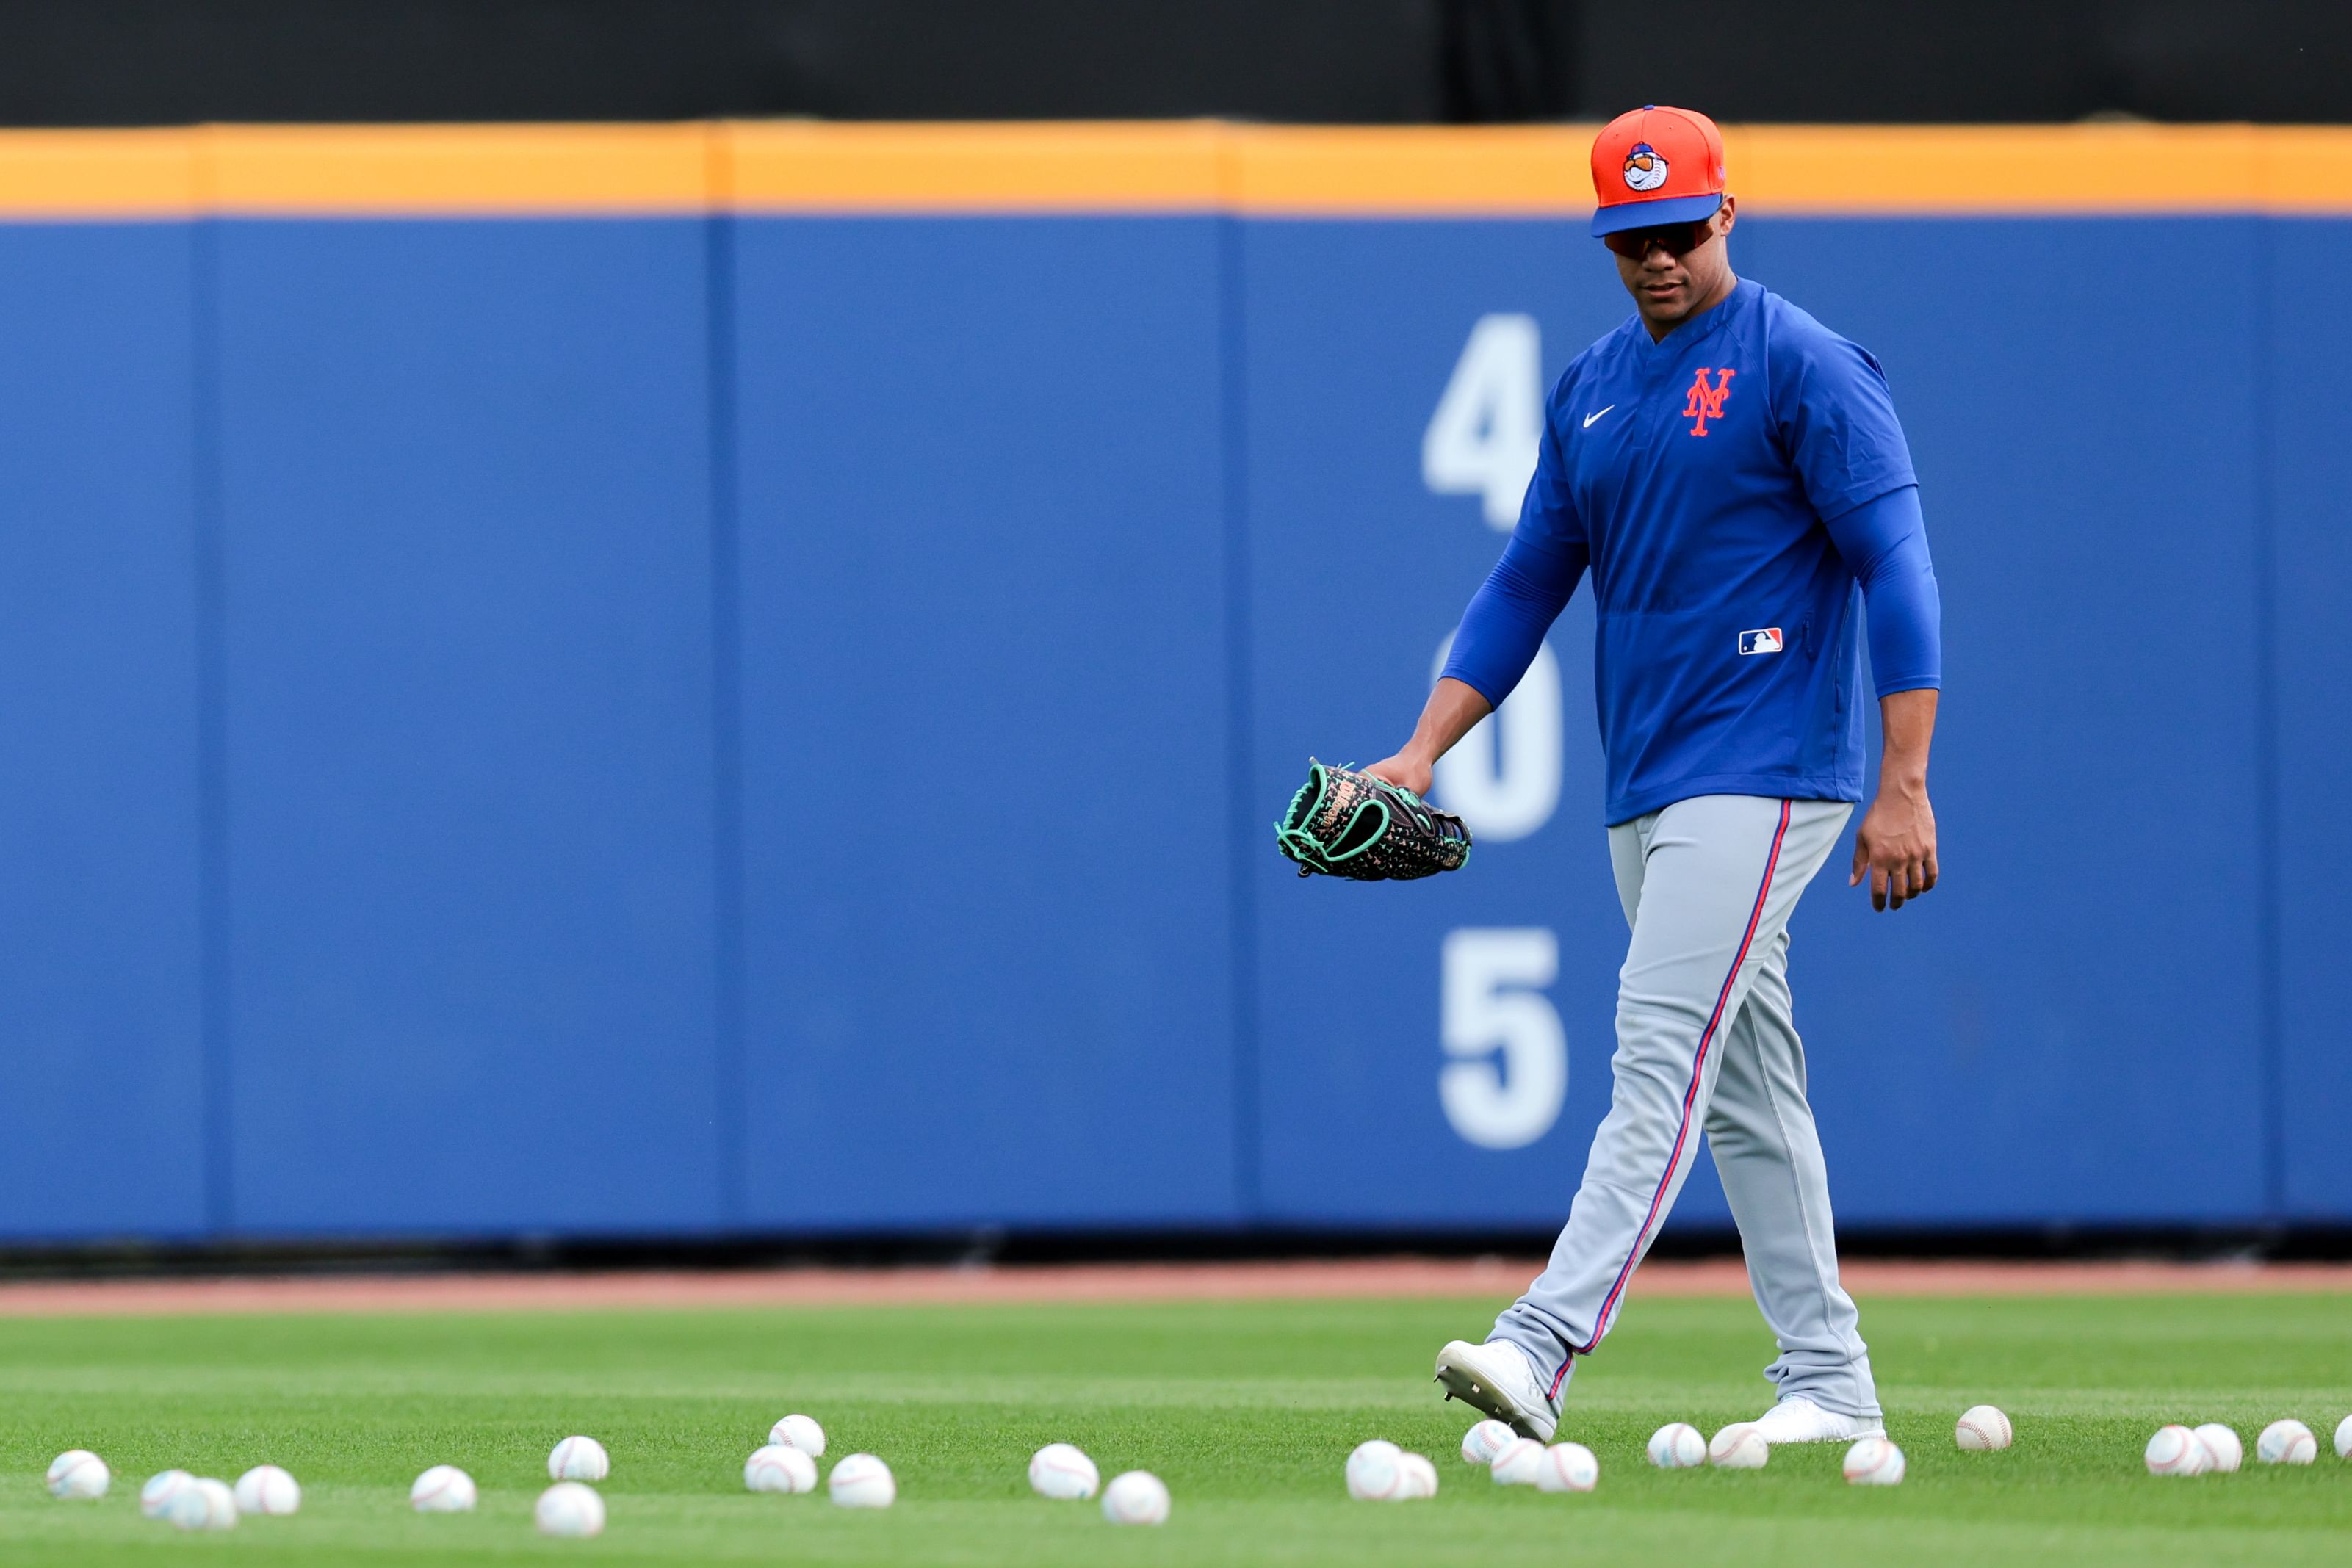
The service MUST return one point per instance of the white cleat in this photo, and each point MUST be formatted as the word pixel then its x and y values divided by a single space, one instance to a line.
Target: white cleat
pixel 1501 1379
pixel 1798 1419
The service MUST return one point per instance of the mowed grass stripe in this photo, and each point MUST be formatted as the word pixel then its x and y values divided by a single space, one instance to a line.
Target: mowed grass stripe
pixel 1247 1410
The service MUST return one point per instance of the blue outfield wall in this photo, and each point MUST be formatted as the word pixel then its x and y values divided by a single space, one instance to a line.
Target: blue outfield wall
pixel 634 726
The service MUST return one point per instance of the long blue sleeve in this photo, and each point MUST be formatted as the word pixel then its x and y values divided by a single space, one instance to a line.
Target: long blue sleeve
pixel 1512 611
pixel 1885 542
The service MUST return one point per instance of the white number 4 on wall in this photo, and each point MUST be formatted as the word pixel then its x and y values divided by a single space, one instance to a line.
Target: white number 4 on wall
pixel 1482 440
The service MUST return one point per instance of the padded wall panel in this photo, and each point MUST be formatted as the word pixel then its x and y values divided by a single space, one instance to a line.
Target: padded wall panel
pixel 102 1126
pixel 466 500
pixel 2308 441
pixel 990 981
pixel 2077 1003
pixel 2088 474
pixel 1360 569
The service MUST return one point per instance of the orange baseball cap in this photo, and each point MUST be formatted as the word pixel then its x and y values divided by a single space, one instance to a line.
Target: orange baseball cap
pixel 1656 166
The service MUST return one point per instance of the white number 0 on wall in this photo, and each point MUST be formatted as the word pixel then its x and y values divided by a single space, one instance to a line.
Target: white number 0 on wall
pixel 1503 778
pixel 1507 1072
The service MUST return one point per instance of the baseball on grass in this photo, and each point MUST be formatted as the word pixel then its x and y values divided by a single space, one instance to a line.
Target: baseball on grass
pixel 79 1474
pixel 266 1489
pixel 1515 1465
pixel 861 1480
pixel 203 1504
pixel 2176 1451
pixel 1137 1497
pixel 1738 1447
pixel 2344 1438
pixel 798 1431
pixel 1481 1443
pixel 1376 1471
pixel 1419 1476
pixel 569 1508
pixel 1677 1446
pixel 161 1489
pixel 444 1489
pixel 779 1469
pixel 2223 1451
pixel 1567 1467
pixel 1874 1462
pixel 1059 1470
pixel 1983 1427
pixel 2287 1442
pixel 579 1459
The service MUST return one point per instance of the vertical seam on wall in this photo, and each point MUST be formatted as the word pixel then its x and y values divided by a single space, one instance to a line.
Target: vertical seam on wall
pixel 1239 713
pixel 2270 1011
pixel 727 712
pixel 210 549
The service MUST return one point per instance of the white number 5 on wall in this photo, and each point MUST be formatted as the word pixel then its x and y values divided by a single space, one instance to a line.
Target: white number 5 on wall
pixel 1507 1068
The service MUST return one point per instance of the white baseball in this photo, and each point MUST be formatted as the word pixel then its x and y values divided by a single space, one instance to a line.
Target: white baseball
pixel 444 1489
pixel 1567 1467
pixel 2344 1438
pixel 2222 1447
pixel 569 1508
pixel 778 1467
pixel 161 1489
pixel 2175 1451
pixel 1874 1462
pixel 798 1431
pixel 1515 1465
pixel 1376 1471
pixel 1137 1497
pixel 2287 1442
pixel 1677 1446
pixel 266 1489
pixel 1738 1447
pixel 1982 1427
pixel 579 1459
pixel 1061 1472
pixel 1481 1443
pixel 1419 1476
pixel 79 1474
pixel 861 1480
pixel 203 1504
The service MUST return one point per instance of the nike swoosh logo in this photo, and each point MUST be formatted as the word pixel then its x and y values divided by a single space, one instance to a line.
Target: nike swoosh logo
pixel 1590 417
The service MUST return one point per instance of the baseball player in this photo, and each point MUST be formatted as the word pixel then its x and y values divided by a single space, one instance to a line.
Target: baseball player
pixel 1732 474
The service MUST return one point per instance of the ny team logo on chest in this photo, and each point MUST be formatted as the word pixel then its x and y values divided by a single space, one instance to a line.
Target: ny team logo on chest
pixel 1705 401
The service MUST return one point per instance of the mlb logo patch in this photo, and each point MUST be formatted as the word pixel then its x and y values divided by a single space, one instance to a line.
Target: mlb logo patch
pixel 1768 640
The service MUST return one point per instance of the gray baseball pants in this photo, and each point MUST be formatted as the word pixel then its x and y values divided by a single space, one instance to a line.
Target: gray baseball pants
pixel 1705 1040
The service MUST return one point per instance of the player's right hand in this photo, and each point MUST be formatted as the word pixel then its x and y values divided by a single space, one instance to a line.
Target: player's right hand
pixel 1895 847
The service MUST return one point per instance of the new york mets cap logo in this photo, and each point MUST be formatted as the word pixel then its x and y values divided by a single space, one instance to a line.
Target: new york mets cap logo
pixel 1645 169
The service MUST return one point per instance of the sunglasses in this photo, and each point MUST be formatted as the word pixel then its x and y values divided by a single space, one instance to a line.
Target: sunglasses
pixel 1679 239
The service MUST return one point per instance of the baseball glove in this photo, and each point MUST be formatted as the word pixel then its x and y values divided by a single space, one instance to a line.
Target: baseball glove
pixel 1346 823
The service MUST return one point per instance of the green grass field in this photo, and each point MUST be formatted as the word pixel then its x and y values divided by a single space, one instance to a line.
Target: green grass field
pixel 1246 1410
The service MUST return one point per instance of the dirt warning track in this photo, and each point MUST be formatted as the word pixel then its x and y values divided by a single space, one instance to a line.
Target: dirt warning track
pixel 1303 1279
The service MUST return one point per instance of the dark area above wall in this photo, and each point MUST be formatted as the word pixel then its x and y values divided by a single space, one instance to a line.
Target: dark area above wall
pixel 146 62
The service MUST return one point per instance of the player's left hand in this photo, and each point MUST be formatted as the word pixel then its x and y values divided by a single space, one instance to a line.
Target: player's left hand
pixel 1896 846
